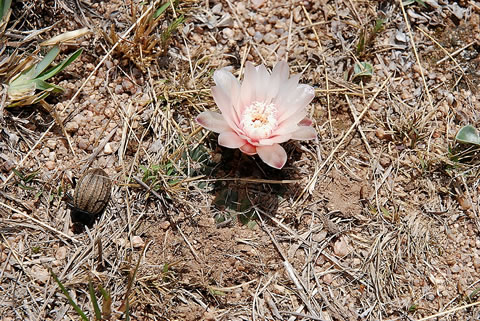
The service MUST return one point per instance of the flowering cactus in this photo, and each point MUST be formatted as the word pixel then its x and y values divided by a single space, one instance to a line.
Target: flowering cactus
pixel 262 112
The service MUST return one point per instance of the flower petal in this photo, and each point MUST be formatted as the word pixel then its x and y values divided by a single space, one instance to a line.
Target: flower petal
pixel 262 81
pixel 279 75
pixel 297 101
pixel 229 85
pixel 248 149
pixel 304 133
pixel 247 91
pixel 274 155
pixel 291 124
pixel 274 140
pixel 286 90
pixel 225 105
pixel 305 122
pixel 213 121
pixel 230 140
pixel 255 84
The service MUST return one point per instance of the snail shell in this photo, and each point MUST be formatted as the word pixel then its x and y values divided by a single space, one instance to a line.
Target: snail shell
pixel 92 192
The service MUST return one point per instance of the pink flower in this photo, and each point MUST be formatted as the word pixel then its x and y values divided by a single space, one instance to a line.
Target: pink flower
pixel 262 112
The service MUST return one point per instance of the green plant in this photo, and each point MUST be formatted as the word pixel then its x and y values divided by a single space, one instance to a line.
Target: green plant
pixel 234 205
pixel 104 313
pixel 196 159
pixel 366 38
pixel 468 135
pixel 4 14
pixel 25 179
pixel 148 42
pixel 100 314
pixel 362 70
pixel 23 86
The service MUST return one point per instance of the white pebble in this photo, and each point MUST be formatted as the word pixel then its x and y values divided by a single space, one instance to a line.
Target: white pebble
pixel 228 33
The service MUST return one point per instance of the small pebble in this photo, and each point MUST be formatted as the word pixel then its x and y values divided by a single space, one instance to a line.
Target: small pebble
pixel 50 165
pixel 127 86
pixel 476 262
pixel 108 149
pixel 40 274
pixel 297 16
pixel 269 38
pixel 119 89
pixel 137 242
pixel 400 36
pixel 228 33
pixel 71 127
pixel 257 37
pixel 341 247
pixel 83 144
pixel 61 253
pixel 164 225
pixel 51 143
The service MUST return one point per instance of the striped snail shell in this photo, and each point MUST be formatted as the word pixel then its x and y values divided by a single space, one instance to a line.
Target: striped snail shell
pixel 91 195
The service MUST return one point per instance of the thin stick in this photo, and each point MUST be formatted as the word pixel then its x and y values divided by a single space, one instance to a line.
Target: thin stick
pixel 364 138
pixel 451 55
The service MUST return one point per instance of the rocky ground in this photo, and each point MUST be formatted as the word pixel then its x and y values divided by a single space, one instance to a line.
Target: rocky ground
pixel 377 219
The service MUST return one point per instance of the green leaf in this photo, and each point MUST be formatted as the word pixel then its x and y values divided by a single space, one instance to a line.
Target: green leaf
pixel 251 225
pixel 161 10
pixel 378 25
pixel 468 135
pixel 171 28
pixel 362 69
pixel 19 174
pixel 43 85
pixel 4 7
pixel 69 298
pixel 107 303
pixel 385 212
pixel 413 308
pixel 216 292
pixel 64 64
pixel 46 61
pixel 165 268
pixel 23 79
pixel 96 308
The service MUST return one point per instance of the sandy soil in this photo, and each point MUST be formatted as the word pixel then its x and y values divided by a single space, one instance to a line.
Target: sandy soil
pixel 377 219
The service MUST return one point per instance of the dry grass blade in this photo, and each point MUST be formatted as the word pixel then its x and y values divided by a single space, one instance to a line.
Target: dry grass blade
pixel 65 37
pixel 440 314
pixel 38 222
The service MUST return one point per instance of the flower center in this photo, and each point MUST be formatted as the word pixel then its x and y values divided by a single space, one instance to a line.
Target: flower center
pixel 259 120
